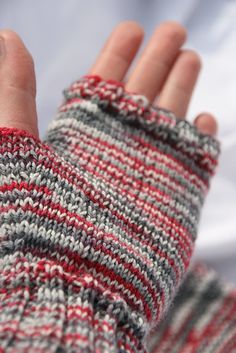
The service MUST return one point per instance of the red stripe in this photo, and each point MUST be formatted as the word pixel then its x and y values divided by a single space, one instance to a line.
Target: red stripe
pixel 7 133
pixel 88 224
pixel 166 335
pixel 148 116
pixel 76 177
pixel 226 321
pixel 127 158
pixel 134 181
pixel 229 345
pixel 197 181
pixel 115 238
pixel 75 272
pixel 213 326
pixel 25 186
pixel 97 161
pixel 105 272
pixel 68 308
pixel 38 333
pixel 129 266
pixel 46 212
pixel 206 155
pixel 152 211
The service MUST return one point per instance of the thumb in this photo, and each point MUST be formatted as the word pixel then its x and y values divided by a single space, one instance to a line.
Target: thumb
pixel 17 84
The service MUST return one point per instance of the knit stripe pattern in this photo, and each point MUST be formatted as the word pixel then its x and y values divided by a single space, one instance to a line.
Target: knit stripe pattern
pixel 202 318
pixel 98 222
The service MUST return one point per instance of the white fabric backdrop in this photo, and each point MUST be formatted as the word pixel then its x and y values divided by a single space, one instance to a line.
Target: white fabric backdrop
pixel 65 36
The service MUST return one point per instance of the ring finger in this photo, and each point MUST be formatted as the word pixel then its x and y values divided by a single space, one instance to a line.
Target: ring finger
pixel 178 88
pixel 157 59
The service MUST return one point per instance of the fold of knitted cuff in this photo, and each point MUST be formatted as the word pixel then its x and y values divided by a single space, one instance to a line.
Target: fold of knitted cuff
pixel 137 111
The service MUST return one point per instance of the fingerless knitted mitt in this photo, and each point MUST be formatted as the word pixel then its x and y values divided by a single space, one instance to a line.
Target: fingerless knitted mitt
pixel 98 222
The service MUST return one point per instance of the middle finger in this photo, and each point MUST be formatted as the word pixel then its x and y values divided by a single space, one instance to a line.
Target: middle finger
pixel 157 59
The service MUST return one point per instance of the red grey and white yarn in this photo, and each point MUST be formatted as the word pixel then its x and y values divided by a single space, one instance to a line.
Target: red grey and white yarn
pixel 98 222
pixel 202 318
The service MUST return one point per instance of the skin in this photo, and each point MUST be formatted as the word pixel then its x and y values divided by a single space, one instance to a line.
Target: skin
pixel 163 70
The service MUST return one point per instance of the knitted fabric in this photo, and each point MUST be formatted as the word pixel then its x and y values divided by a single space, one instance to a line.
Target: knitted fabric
pixel 202 318
pixel 98 222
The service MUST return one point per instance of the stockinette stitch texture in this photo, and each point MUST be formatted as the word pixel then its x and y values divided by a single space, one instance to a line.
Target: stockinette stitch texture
pixel 98 223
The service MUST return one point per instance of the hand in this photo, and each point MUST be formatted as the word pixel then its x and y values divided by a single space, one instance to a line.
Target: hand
pixel 163 69
pixel 98 223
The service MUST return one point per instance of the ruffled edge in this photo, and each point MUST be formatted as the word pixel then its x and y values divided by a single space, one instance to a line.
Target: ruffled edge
pixel 111 97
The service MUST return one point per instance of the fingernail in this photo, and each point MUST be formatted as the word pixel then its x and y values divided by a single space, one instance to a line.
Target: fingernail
pixel 200 116
pixel 2 48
